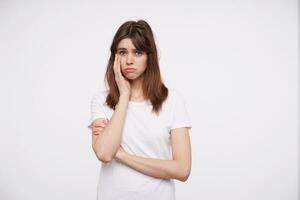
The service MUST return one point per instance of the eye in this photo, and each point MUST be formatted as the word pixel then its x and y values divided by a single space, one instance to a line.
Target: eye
pixel 138 53
pixel 122 52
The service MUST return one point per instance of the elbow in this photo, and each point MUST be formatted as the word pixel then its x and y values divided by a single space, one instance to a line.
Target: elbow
pixel 183 178
pixel 184 175
pixel 104 157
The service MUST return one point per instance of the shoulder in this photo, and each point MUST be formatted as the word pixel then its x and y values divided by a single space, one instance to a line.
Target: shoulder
pixel 99 96
pixel 175 94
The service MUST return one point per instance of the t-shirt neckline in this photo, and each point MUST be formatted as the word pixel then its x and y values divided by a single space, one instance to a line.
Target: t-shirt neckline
pixel 145 102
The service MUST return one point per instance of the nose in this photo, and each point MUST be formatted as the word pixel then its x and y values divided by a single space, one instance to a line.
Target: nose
pixel 129 59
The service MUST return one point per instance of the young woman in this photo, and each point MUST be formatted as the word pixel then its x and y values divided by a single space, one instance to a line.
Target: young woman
pixel 139 126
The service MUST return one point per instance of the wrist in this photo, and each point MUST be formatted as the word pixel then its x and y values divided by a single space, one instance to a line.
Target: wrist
pixel 124 96
pixel 120 156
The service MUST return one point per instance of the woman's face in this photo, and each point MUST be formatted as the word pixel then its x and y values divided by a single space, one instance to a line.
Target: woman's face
pixel 131 58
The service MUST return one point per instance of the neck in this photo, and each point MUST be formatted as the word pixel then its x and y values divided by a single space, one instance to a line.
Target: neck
pixel 136 89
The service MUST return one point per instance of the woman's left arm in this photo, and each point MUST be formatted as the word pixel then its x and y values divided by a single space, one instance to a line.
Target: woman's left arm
pixel 178 168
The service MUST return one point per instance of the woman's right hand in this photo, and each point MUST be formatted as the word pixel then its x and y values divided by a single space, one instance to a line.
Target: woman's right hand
pixel 122 82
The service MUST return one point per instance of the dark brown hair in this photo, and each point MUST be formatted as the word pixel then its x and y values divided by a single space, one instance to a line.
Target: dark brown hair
pixel 142 38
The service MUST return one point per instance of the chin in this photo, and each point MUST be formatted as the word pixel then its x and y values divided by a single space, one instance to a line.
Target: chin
pixel 132 77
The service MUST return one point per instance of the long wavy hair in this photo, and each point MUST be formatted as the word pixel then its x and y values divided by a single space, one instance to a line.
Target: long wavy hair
pixel 142 38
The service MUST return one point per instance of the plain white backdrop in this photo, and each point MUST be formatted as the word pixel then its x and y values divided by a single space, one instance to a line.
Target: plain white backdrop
pixel 236 62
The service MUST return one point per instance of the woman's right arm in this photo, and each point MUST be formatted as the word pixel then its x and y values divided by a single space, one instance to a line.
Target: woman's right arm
pixel 109 141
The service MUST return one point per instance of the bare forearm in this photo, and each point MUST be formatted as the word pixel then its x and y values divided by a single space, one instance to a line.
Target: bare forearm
pixel 108 142
pixel 158 168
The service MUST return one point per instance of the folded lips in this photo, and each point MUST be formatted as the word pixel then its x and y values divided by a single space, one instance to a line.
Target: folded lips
pixel 129 69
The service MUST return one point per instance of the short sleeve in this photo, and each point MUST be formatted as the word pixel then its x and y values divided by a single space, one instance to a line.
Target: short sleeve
pixel 97 107
pixel 179 114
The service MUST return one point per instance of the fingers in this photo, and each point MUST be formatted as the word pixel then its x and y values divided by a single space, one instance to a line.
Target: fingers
pixel 98 126
pixel 97 131
pixel 116 67
pixel 100 123
pixel 115 64
pixel 119 67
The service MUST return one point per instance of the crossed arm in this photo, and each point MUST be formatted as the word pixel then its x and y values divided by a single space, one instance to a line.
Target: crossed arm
pixel 178 168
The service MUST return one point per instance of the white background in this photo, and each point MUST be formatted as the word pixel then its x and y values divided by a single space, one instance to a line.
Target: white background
pixel 236 62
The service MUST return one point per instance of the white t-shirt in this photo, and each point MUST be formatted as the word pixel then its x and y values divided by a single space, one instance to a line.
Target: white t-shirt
pixel 144 134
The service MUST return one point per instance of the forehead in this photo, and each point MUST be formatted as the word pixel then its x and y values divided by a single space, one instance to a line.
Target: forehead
pixel 126 43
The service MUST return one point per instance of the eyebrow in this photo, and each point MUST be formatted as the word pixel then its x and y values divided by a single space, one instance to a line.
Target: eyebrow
pixel 122 48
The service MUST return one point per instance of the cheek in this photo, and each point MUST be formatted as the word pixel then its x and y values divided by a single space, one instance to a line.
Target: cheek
pixel 123 63
pixel 143 63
